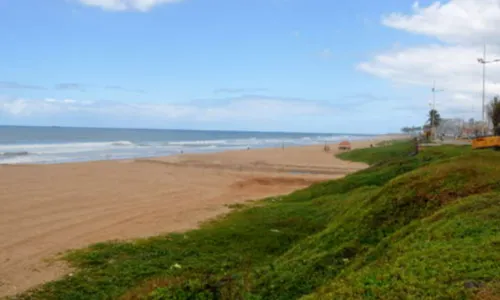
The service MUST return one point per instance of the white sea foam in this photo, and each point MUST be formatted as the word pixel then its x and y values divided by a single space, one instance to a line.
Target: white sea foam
pixel 63 147
pixel 122 149
pixel 197 143
pixel 33 159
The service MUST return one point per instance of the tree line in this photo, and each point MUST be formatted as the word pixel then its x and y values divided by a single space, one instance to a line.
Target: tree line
pixel 411 129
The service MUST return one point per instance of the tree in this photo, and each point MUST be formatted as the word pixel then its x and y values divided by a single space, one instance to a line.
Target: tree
pixel 494 114
pixel 434 118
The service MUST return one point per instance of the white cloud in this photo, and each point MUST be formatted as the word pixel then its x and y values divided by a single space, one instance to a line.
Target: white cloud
pixel 454 68
pixel 236 113
pixel 462 26
pixel 243 109
pixel 123 5
pixel 455 21
pixel 25 107
pixel 16 107
pixel 51 100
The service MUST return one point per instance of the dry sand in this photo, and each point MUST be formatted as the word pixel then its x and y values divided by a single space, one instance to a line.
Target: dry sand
pixel 48 209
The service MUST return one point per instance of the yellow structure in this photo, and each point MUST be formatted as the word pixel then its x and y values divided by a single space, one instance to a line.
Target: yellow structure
pixel 486 142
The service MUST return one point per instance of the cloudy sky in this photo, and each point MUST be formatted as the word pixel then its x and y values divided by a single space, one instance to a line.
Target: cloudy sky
pixel 287 65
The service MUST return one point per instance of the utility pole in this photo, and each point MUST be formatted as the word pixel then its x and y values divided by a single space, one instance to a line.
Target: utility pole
pixel 433 111
pixel 484 87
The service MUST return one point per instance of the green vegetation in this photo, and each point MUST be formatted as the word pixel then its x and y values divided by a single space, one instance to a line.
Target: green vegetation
pixel 408 227
pixel 434 118
pixel 379 155
pixel 412 129
pixel 494 114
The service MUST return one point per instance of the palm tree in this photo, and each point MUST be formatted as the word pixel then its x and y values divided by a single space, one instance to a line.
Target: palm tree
pixel 494 114
pixel 434 118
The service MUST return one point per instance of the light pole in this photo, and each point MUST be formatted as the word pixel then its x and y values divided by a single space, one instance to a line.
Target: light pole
pixel 433 111
pixel 483 61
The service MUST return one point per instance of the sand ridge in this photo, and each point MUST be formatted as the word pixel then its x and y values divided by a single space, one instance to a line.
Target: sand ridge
pixel 48 209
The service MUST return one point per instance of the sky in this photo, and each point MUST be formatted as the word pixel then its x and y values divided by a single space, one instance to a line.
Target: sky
pixel 358 66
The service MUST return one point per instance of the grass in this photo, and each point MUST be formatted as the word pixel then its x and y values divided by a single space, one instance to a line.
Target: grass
pixel 412 227
pixel 434 257
pixel 387 150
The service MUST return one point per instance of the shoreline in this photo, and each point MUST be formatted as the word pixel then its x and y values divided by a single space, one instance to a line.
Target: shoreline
pixel 48 154
pixel 52 208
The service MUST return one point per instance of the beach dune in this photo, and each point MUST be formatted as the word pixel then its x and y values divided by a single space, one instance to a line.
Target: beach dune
pixel 48 209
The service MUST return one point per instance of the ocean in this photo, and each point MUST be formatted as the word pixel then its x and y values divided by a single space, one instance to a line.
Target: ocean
pixel 48 145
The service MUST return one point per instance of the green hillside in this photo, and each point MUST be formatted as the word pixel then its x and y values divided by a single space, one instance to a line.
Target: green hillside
pixel 408 227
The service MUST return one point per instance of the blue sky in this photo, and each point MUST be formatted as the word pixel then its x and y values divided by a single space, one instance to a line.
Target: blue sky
pixel 288 65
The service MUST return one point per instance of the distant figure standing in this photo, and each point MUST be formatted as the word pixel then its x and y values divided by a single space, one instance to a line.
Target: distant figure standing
pixel 326 148
pixel 283 146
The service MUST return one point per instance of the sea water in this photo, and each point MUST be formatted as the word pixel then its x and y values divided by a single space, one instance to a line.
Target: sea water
pixel 19 144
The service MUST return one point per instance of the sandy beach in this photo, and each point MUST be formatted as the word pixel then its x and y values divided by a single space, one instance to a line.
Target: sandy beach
pixel 48 209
